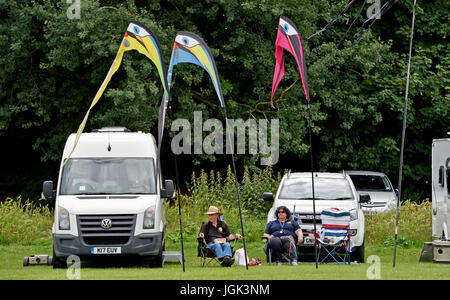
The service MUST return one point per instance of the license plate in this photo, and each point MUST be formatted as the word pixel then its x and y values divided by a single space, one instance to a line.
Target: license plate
pixel 308 240
pixel 106 250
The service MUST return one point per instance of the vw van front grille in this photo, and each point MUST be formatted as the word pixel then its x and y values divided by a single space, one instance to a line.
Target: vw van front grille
pixel 106 229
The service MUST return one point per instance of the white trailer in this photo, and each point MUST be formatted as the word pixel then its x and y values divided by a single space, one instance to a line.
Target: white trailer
pixel 440 169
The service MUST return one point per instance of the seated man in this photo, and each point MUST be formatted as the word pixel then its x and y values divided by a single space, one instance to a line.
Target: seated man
pixel 215 233
pixel 283 234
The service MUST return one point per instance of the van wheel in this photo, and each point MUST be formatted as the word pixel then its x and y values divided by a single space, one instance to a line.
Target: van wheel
pixel 358 254
pixel 157 262
pixel 58 262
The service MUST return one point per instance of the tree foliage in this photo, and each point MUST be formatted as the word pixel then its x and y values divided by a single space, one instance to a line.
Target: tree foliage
pixel 51 67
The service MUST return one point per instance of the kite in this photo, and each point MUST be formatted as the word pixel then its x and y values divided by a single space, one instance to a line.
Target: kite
pixel 137 37
pixel 289 39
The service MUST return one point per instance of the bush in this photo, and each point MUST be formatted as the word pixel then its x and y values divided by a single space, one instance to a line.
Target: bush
pixel 414 226
pixel 25 223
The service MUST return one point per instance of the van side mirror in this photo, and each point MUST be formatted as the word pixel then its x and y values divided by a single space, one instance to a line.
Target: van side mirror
pixel 364 198
pixel 267 197
pixel 47 190
pixel 169 189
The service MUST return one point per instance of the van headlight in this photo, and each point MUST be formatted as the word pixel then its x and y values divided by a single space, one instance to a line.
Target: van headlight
pixel 63 218
pixel 149 218
pixel 353 215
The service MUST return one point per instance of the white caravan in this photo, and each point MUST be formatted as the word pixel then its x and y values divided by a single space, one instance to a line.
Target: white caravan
pixel 109 199
pixel 331 190
pixel 440 190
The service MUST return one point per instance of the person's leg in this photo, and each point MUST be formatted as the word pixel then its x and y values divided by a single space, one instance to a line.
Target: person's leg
pixel 276 246
pixel 226 248
pixel 217 249
pixel 227 259
pixel 290 248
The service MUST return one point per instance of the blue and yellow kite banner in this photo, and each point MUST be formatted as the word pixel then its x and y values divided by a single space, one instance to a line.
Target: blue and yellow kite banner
pixel 137 37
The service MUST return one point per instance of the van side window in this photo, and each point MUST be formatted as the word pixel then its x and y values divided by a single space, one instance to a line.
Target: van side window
pixel 448 181
pixel 441 175
pixel 447 165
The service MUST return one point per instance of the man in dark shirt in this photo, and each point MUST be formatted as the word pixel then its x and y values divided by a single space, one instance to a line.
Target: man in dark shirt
pixel 215 233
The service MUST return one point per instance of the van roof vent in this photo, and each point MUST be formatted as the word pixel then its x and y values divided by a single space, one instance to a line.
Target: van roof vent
pixel 112 129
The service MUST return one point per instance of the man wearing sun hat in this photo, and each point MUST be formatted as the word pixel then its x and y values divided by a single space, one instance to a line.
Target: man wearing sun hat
pixel 215 233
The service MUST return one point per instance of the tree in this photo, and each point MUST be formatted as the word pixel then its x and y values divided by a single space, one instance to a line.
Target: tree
pixel 52 67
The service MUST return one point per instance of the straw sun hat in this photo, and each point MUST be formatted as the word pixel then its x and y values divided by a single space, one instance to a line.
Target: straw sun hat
pixel 213 210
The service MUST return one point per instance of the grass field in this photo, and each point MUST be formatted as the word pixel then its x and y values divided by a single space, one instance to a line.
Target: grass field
pixel 25 229
pixel 407 267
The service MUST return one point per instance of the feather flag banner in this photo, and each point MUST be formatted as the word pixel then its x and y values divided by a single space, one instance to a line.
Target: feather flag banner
pixel 137 37
pixel 190 48
pixel 288 39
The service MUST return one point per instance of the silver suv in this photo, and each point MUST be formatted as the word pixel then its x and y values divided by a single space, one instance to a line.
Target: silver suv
pixel 378 186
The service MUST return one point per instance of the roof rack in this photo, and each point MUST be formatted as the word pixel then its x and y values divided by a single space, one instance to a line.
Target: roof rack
pixel 112 129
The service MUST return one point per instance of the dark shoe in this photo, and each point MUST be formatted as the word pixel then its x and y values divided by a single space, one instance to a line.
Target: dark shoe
pixel 222 263
pixel 228 261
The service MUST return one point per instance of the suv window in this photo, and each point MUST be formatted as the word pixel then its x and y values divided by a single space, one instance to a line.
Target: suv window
pixel 371 182
pixel 324 189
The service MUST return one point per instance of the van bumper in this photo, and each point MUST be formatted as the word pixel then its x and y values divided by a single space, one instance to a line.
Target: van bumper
pixel 143 245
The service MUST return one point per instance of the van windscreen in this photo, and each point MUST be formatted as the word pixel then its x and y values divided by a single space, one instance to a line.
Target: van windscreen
pixel 93 176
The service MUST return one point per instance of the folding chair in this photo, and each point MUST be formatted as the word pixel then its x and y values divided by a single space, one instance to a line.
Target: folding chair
pixel 268 251
pixel 207 254
pixel 333 239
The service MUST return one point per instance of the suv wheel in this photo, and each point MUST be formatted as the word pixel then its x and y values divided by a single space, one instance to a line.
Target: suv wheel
pixel 358 254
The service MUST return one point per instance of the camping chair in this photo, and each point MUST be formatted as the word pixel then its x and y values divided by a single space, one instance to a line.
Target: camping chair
pixel 268 251
pixel 207 254
pixel 333 239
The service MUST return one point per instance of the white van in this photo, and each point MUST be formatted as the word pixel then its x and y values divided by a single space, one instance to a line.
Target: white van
pixel 331 190
pixel 440 191
pixel 109 198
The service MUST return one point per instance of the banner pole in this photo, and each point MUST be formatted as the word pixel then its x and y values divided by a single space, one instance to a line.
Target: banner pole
pixel 312 184
pixel 405 111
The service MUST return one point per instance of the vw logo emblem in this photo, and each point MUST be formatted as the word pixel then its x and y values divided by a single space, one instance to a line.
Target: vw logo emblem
pixel 106 223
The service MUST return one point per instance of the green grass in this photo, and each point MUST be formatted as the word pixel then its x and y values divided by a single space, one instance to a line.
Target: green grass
pixel 407 267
